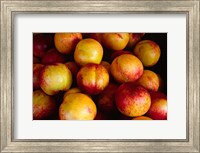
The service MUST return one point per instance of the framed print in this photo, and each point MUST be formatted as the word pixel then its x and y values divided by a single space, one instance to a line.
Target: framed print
pixel 171 25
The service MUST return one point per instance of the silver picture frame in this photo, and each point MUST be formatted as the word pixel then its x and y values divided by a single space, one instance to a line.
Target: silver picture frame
pixel 8 10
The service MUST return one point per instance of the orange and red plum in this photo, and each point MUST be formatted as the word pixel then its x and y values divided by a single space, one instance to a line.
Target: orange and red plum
pixel 92 78
pixel 77 106
pixel 65 43
pixel 132 100
pixel 88 51
pixel 149 80
pixel 158 109
pixel 148 52
pixel 126 68
pixel 115 41
pixel 55 78
pixel 43 105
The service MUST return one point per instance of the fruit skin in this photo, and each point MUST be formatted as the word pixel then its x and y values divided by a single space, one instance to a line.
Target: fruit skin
pixel 158 108
pixel 55 78
pixel 88 51
pixel 52 56
pixel 41 44
pixel 134 38
pixel 126 68
pixel 149 80
pixel 148 52
pixel 92 78
pixel 115 41
pixel 36 73
pixel 132 100
pixel 106 99
pixel 77 106
pixel 142 118
pixel 43 105
pixel 65 43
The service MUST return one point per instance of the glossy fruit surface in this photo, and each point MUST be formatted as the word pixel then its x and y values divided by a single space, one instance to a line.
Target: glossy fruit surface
pixel 65 43
pixel 132 100
pixel 158 109
pixel 88 51
pixel 77 106
pixel 149 80
pixel 55 78
pixel 148 52
pixel 93 78
pixel 115 41
pixel 126 68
